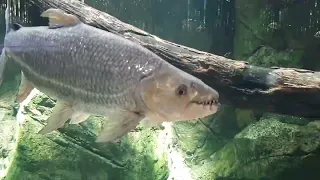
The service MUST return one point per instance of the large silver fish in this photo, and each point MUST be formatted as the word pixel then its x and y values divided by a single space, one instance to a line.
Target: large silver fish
pixel 93 72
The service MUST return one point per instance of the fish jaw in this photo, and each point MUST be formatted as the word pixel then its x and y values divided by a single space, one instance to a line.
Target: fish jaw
pixel 200 110
pixel 193 110
pixel 204 103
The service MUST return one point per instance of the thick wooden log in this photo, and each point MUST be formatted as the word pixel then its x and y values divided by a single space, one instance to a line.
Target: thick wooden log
pixel 279 90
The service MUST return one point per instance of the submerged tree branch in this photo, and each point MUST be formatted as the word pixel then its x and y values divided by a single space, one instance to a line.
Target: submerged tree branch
pixel 279 90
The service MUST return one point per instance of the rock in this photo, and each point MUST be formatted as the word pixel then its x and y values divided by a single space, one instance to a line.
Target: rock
pixel 8 130
pixel 245 117
pixel 287 119
pixel 251 27
pixel 71 153
pixel 192 142
pixel 8 125
pixel 268 149
pixel 257 26
pixel 268 57
pixel 195 140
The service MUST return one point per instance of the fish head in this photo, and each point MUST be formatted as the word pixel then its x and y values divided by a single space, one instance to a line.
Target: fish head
pixel 171 94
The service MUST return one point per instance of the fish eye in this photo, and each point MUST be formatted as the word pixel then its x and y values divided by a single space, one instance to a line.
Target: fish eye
pixel 181 90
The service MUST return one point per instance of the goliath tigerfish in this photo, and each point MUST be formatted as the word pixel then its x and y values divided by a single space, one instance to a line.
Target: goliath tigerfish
pixel 94 72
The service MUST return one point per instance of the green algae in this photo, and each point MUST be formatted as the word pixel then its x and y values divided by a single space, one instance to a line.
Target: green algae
pixel 71 153
pixel 266 149
pixel 195 141
pixel 268 57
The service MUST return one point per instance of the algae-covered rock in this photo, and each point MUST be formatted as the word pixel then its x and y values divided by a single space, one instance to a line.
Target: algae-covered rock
pixel 8 131
pixel 8 124
pixel 193 142
pixel 267 57
pixel 287 119
pixel 268 149
pixel 251 27
pixel 71 153
pixel 257 26
pixel 199 139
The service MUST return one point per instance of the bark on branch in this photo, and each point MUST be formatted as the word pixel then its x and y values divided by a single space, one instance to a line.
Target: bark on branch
pixel 279 90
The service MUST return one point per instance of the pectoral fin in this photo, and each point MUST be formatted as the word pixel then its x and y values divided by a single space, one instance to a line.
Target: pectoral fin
pixel 25 89
pixel 62 111
pixel 78 118
pixel 58 18
pixel 119 123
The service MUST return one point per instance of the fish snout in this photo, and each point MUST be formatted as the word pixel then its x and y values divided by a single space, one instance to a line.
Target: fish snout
pixel 214 95
pixel 218 105
pixel 206 94
pixel 215 98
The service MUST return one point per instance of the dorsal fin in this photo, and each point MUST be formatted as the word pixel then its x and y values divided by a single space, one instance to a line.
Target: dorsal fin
pixel 16 26
pixel 59 18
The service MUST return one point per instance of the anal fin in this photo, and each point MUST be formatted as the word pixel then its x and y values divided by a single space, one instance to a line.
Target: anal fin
pixel 62 111
pixel 59 18
pixel 25 89
pixel 119 123
pixel 78 118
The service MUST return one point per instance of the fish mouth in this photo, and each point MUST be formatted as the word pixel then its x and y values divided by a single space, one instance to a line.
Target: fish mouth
pixel 208 104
